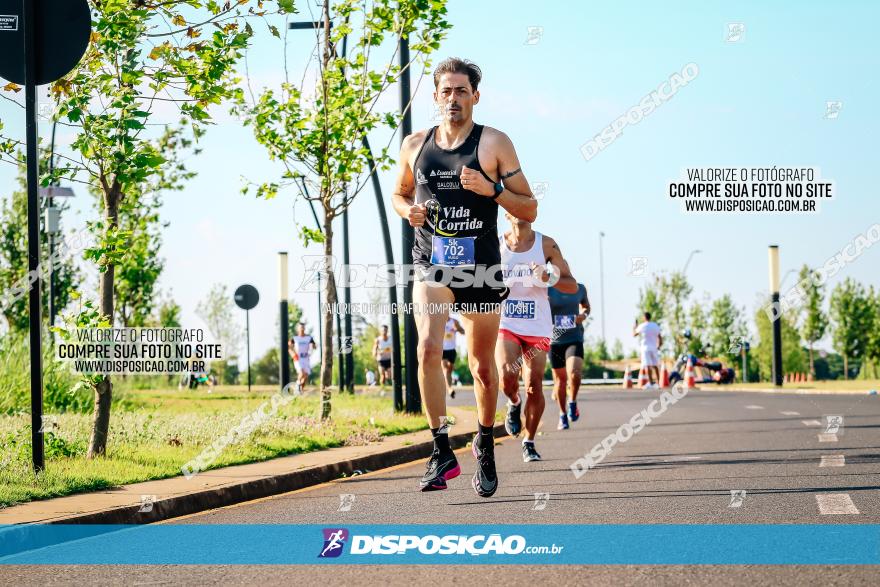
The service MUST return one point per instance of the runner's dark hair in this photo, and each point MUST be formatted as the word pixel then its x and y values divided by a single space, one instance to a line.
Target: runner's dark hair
pixel 457 65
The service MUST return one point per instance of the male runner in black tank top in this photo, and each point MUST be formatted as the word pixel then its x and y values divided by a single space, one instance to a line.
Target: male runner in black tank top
pixel 452 180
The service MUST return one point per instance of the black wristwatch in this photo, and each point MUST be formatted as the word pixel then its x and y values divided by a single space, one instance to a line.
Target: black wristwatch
pixel 499 188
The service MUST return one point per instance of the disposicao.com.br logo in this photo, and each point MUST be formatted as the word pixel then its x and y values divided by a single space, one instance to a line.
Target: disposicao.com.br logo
pixel 394 544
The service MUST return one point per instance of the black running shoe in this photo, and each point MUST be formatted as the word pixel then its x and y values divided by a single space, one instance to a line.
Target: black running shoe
pixel 440 470
pixel 485 480
pixel 513 421
pixel 529 452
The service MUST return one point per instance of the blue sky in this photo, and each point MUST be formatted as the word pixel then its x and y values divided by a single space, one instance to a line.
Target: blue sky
pixel 757 102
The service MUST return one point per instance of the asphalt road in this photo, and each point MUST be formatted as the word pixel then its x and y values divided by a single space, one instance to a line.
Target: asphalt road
pixel 680 469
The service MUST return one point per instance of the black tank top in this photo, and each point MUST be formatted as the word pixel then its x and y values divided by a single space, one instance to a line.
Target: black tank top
pixel 462 212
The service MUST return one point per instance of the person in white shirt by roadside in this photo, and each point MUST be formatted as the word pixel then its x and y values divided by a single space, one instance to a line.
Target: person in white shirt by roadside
pixel 652 340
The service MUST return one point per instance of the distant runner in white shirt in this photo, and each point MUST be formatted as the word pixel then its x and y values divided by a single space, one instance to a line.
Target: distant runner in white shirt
pixel 382 354
pixel 449 352
pixel 652 340
pixel 300 349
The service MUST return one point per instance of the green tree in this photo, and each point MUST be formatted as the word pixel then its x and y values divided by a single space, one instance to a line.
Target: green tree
pixel 168 314
pixel 139 269
pixel 761 355
pixel 617 350
pixel 698 325
pixel 220 315
pixel 14 259
pixel 264 371
pixel 674 291
pixel 651 299
pixel 141 53
pixel 813 322
pixel 320 140
pixel 851 320
pixel 726 329
pixel 872 349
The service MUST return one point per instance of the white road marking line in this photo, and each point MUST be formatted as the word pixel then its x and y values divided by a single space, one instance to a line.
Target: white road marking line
pixel 836 503
pixel 754 407
pixel 684 458
pixel 832 461
pixel 791 413
pixel 827 437
pixel 811 422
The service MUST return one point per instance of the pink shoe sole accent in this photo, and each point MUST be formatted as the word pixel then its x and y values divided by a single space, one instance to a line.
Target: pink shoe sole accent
pixel 452 473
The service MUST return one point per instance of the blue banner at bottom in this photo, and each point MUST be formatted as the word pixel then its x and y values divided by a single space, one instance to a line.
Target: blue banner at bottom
pixel 191 544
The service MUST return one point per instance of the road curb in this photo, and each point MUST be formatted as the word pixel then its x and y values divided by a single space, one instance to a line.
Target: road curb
pixel 199 501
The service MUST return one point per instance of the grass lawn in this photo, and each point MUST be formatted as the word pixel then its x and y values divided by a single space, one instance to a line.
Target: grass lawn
pixel 834 385
pixel 153 433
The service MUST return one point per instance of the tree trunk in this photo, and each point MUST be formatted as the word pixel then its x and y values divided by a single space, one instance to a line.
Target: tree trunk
pixel 812 366
pixel 329 309
pixel 845 367
pixel 104 389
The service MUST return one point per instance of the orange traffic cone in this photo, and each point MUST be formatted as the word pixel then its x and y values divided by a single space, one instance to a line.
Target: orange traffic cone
pixel 643 377
pixel 690 380
pixel 664 375
pixel 627 378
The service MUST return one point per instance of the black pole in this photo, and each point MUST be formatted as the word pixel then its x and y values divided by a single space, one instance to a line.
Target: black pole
pixel 284 359
pixel 349 355
pixel 777 343
pixel 50 204
pixel 392 289
pixel 340 358
pixel 410 336
pixel 247 329
pixel 36 343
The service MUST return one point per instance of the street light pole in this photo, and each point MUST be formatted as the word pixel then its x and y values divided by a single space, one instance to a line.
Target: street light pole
pixel 688 262
pixel 777 324
pixel 602 285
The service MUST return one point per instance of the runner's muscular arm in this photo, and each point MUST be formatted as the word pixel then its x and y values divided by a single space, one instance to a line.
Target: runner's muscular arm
pixel 584 307
pixel 567 283
pixel 517 196
pixel 403 198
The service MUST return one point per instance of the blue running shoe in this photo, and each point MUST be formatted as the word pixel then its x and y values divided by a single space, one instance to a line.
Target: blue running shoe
pixel 563 422
pixel 573 412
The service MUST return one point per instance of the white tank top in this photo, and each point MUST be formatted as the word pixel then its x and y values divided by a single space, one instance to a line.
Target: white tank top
pixel 384 346
pixel 303 346
pixel 449 336
pixel 527 308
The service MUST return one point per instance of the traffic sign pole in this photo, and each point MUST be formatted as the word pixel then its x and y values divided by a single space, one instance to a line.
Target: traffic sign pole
pixel 247 297
pixel 33 231
pixel 40 41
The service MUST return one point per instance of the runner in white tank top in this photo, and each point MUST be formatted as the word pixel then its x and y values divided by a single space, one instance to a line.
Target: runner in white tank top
pixel 527 324
pixel 526 311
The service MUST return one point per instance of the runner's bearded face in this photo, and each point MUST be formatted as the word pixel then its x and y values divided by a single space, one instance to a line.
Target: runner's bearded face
pixel 455 98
